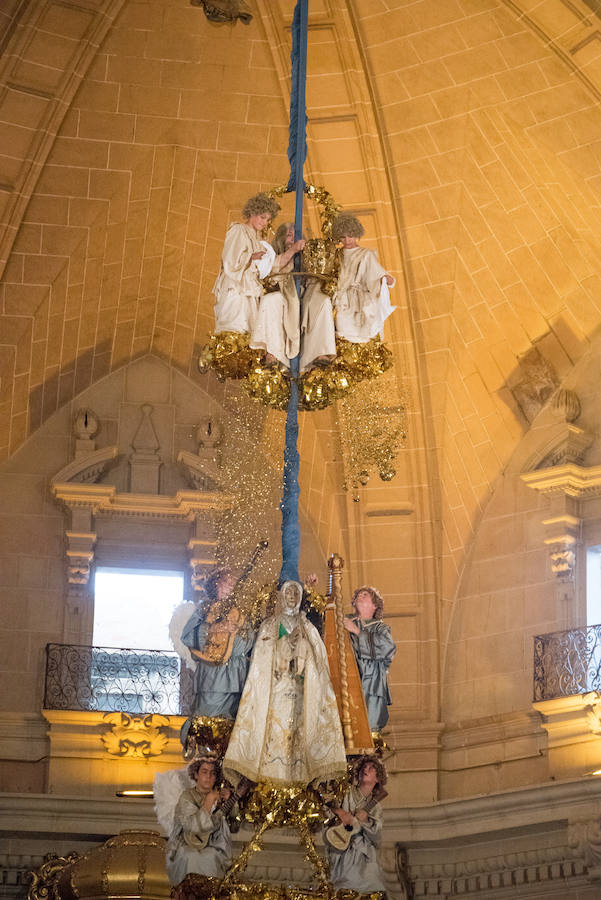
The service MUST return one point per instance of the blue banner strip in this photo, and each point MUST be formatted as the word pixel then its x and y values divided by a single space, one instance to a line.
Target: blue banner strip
pixel 297 153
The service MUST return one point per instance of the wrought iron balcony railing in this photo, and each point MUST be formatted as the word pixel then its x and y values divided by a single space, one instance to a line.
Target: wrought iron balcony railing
pixel 115 679
pixel 567 662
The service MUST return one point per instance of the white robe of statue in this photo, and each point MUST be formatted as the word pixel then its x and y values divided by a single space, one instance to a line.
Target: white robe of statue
pixel 362 300
pixel 287 730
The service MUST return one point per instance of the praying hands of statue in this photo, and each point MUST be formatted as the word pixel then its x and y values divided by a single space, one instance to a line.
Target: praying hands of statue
pixel 311 581
pixel 225 626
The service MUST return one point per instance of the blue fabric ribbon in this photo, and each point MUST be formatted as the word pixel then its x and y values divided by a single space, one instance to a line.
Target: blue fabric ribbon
pixel 297 153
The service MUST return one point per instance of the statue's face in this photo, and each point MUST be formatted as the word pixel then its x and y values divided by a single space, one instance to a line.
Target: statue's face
pixel 365 605
pixel 291 596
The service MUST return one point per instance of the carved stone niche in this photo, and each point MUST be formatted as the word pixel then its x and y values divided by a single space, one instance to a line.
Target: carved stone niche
pixel 140 526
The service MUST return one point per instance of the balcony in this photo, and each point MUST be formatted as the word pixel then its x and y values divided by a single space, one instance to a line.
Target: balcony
pixel 567 695
pixel 567 663
pixel 111 679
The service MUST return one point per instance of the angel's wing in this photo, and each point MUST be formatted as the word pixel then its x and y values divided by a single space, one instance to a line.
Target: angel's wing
pixel 180 618
pixel 168 788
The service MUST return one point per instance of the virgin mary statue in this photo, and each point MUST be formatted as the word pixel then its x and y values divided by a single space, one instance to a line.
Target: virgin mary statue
pixel 287 730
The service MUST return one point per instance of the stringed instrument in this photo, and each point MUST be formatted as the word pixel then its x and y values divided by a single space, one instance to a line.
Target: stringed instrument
pixel 200 841
pixel 219 643
pixel 339 836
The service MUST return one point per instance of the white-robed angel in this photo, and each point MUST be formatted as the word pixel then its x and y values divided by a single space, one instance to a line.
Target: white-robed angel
pixel 192 811
pixel 287 729
pixel 362 299
pixel 242 305
pixel 277 326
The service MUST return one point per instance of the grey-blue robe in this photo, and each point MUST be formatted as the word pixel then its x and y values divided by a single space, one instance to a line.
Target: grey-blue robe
pixel 374 651
pixel 357 867
pixel 218 687
pixel 191 819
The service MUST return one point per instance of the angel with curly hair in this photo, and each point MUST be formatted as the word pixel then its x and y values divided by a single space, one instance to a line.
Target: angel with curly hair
pixel 352 843
pixel 374 651
pixel 362 300
pixel 220 648
pixel 242 305
pixel 199 835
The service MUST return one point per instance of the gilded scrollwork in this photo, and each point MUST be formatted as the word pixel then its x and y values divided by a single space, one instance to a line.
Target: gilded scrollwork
pixel 44 880
pixel 135 736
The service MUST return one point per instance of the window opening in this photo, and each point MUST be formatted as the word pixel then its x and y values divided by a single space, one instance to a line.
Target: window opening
pixel 593 585
pixel 134 668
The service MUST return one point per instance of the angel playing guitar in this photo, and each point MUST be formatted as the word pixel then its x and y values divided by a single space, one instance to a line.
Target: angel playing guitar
pixel 199 833
pixel 353 839
pixel 220 641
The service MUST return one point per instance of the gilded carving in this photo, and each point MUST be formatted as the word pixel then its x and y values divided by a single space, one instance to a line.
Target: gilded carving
pixel 44 880
pixel 135 736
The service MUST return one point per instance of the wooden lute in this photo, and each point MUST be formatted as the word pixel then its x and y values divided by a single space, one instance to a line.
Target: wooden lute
pixel 339 836
pixel 200 841
pixel 219 644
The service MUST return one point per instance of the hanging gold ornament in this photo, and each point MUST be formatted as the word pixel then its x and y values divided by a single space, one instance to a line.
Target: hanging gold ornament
pixel 373 428
pixel 269 385
pixel 353 364
pixel 228 354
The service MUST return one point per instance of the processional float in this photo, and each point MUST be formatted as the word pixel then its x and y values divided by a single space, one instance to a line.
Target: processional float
pixel 264 805
pixel 301 806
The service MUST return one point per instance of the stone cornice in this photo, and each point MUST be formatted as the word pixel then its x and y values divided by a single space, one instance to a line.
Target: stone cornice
pixel 494 813
pixel 104 499
pixel 569 479
pixel 521 808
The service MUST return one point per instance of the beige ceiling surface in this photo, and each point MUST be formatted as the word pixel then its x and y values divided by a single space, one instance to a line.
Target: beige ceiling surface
pixel 465 133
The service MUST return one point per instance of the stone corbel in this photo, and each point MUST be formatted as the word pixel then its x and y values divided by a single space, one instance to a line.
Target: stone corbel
pixel 562 536
pixel 555 469
pixel 80 556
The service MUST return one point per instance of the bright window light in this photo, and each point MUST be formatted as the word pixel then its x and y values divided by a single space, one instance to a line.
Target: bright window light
pixel 593 585
pixel 133 607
